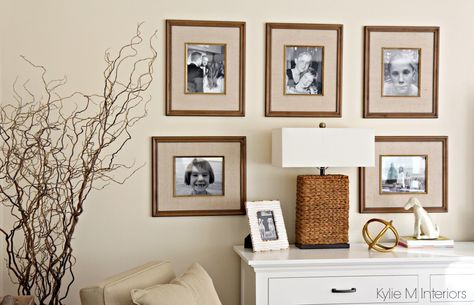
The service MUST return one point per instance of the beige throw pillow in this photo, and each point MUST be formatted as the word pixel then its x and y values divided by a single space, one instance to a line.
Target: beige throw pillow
pixel 200 283
pixel 194 287
pixel 165 294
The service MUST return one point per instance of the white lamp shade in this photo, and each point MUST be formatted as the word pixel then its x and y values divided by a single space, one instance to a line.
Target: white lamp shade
pixel 323 147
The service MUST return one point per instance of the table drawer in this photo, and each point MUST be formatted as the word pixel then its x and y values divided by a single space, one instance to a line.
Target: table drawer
pixel 343 290
pixel 450 288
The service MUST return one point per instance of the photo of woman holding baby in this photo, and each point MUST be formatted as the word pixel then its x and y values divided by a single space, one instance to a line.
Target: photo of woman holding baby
pixel 304 70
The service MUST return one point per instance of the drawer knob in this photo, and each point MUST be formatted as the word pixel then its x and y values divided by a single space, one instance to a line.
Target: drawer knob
pixel 352 290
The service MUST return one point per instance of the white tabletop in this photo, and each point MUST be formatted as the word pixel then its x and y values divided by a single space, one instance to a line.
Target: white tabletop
pixel 358 253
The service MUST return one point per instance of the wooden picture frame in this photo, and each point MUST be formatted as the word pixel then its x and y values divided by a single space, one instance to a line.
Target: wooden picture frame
pixel 410 90
pixel 313 54
pixel 426 180
pixel 198 176
pixel 267 226
pixel 205 68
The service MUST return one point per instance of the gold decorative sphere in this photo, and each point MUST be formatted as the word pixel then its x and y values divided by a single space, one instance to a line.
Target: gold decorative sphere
pixel 374 242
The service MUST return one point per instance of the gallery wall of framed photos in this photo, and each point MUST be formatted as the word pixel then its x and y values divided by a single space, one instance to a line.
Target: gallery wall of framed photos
pixel 303 78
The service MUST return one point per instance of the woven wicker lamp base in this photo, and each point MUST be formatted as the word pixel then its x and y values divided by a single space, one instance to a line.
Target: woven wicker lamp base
pixel 322 212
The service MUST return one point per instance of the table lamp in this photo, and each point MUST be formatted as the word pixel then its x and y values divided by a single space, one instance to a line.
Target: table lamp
pixel 322 201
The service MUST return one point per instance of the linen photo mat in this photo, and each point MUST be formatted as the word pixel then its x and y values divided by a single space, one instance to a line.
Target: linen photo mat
pixel 223 43
pixel 304 38
pixel 435 197
pixel 209 202
pixel 384 45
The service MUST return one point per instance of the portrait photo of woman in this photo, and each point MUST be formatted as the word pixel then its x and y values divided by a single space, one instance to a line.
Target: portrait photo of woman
pixel 401 72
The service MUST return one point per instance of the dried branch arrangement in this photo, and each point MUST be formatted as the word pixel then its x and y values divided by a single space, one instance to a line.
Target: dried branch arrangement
pixel 54 149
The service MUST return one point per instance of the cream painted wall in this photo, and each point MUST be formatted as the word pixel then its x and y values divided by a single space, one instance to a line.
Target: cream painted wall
pixel 3 25
pixel 1 99
pixel 116 231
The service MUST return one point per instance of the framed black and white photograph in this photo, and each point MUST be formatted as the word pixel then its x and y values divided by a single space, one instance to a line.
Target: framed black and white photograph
pixel 403 174
pixel 304 70
pixel 199 176
pixel 401 71
pixel 405 167
pixel 205 68
pixel 267 227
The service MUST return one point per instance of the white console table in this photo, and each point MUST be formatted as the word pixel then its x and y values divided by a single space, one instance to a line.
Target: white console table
pixel 358 276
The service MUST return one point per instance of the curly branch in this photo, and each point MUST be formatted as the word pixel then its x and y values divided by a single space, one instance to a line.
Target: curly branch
pixel 52 156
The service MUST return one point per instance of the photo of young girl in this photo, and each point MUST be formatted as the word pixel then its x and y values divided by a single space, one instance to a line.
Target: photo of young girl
pixel 199 176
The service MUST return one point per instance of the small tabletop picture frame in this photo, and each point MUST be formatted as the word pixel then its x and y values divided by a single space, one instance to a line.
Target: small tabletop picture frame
pixel 406 166
pixel 198 176
pixel 401 72
pixel 205 68
pixel 303 75
pixel 267 227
